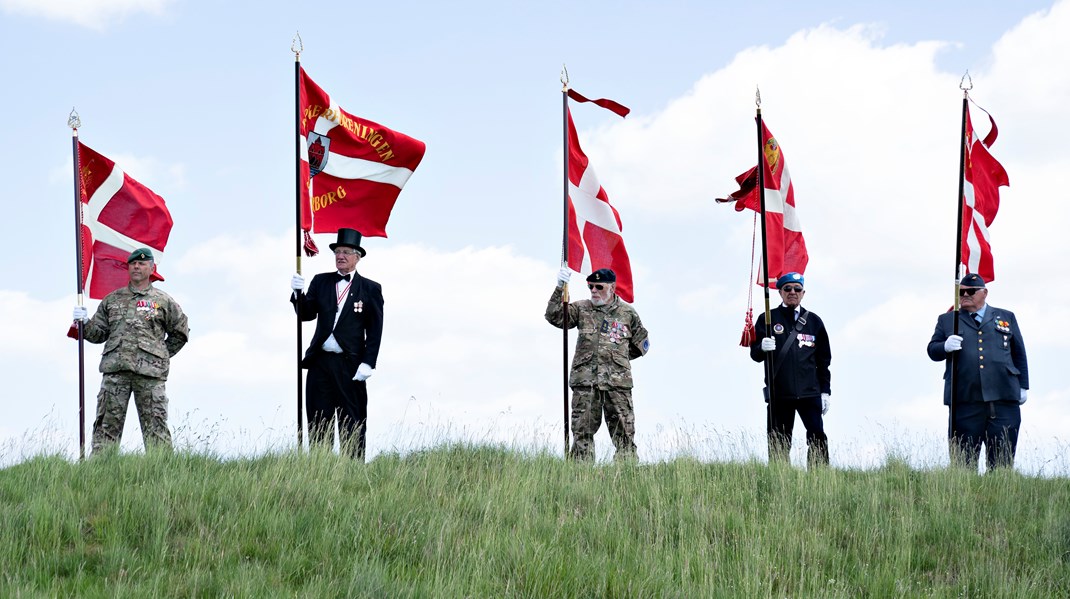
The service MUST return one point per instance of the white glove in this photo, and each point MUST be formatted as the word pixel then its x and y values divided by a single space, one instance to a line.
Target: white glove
pixel 364 372
pixel 826 401
pixel 1025 396
pixel 297 283
pixel 80 313
pixel 563 276
pixel 953 343
pixel 768 344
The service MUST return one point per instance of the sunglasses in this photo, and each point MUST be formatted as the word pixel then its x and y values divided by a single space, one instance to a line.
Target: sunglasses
pixel 969 291
pixel 598 286
pixel 791 289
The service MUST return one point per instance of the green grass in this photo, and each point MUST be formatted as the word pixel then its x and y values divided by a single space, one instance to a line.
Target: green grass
pixel 466 521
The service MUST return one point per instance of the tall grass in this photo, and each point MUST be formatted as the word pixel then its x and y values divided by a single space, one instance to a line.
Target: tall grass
pixel 470 521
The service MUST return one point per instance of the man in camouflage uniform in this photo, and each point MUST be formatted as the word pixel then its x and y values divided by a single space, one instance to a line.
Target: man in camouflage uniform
pixel 141 327
pixel 610 335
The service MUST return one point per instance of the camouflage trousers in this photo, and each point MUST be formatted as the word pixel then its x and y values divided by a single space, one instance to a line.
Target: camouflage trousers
pixel 150 399
pixel 588 404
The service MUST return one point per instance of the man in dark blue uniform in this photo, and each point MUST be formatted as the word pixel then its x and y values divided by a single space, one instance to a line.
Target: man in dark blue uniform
pixel 991 376
pixel 801 377
pixel 348 310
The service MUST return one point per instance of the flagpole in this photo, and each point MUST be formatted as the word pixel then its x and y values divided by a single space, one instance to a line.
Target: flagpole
pixel 564 254
pixel 296 47
pixel 765 268
pixel 952 433
pixel 74 122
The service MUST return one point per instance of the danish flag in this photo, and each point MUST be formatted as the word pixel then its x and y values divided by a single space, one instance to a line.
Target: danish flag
pixel 352 169
pixel 119 215
pixel 594 228
pixel 983 176
pixel 785 246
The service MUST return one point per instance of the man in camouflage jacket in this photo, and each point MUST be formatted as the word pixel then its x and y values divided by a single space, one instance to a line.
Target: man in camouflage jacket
pixel 610 336
pixel 141 327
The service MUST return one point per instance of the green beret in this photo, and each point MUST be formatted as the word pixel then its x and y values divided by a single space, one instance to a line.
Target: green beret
pixel 140 254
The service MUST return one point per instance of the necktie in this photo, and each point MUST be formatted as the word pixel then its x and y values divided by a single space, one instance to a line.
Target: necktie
pixel 977 318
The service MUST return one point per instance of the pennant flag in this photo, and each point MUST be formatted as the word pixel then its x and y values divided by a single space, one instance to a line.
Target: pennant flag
pixel 352 169
pixel 983 175
pixel 784 239
pixel 119 215
pixel 594 228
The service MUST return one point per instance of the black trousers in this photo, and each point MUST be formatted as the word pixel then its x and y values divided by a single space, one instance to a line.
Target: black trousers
pixel 332 393
pixel 780 422
pixel 994 424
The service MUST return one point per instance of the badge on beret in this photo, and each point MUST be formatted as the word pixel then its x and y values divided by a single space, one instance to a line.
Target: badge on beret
pixel 778 328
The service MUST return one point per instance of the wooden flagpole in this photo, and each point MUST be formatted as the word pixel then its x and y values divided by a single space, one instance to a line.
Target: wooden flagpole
pixel 564 256
pixel 297 46
pixel 765 271
pixel 74 122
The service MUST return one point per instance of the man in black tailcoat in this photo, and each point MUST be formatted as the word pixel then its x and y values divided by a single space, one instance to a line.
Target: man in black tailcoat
pixel 348 310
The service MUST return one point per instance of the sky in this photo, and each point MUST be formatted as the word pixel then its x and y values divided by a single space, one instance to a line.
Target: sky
pixel 196 100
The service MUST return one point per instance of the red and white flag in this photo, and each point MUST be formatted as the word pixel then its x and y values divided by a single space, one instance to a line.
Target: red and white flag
pixel 352 169
pixel 784 239
pixel 983 176
pixel 594 228
pixel 119 215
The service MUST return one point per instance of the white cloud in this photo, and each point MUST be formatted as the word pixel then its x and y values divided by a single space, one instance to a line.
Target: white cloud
pixel 94 14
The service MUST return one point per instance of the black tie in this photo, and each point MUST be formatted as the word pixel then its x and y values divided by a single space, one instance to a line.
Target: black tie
pixel 977 318
pixel 344 277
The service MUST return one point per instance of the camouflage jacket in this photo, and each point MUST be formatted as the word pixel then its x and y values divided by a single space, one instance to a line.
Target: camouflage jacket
pixel 140 331
pixel 610 336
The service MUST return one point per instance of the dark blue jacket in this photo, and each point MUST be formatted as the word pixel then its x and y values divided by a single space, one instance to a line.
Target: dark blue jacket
pixel 803 371
pixel 360 326
pixel 991 364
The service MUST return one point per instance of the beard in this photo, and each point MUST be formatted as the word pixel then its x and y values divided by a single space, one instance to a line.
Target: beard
pixel 599 302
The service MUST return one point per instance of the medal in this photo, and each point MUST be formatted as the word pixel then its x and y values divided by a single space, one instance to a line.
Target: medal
pixel 778 328
pixel 358 307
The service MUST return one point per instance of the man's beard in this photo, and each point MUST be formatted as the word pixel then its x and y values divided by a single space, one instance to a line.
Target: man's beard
pixel 599 302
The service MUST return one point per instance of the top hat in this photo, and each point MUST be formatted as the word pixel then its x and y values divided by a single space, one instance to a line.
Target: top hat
pixel 349 238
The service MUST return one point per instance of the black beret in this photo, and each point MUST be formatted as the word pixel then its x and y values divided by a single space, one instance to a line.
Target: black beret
pixel 602 275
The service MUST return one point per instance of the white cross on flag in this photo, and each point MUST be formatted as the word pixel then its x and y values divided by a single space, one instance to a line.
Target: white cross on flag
pixel 119 215
pixel 594 228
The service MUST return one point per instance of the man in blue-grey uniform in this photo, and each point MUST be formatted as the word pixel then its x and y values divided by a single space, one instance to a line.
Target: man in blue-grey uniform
pixel 991 376
pixel 801 377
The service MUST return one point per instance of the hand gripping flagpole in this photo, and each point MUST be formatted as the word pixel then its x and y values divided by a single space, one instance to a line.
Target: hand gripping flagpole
pixel 74 122
pixel 297 46
pixel 965 84
pixel 765 273
pixel 564 253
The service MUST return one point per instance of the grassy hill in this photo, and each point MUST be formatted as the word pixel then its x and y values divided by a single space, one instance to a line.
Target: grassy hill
pixel 465 521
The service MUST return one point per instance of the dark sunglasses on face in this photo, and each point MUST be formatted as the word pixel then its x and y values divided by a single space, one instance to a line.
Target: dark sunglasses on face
pixel 592 286
pixel 792 289
pixel 969 291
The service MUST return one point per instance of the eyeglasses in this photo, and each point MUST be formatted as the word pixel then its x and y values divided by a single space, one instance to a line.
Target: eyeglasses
pixel 791 289
pixel 345 252
pixel 969 290
pixel 598 286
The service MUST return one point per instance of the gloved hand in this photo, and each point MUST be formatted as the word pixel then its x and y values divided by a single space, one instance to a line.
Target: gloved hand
pixel 297 283
pixel 563 276
pixel 768 344
pixel 1025 396
pixel 364 372
pixel 826 402
pixel 80 313
pixel 953 343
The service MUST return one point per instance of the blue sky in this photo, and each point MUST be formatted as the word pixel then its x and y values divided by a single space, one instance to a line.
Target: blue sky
pixel 195 100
